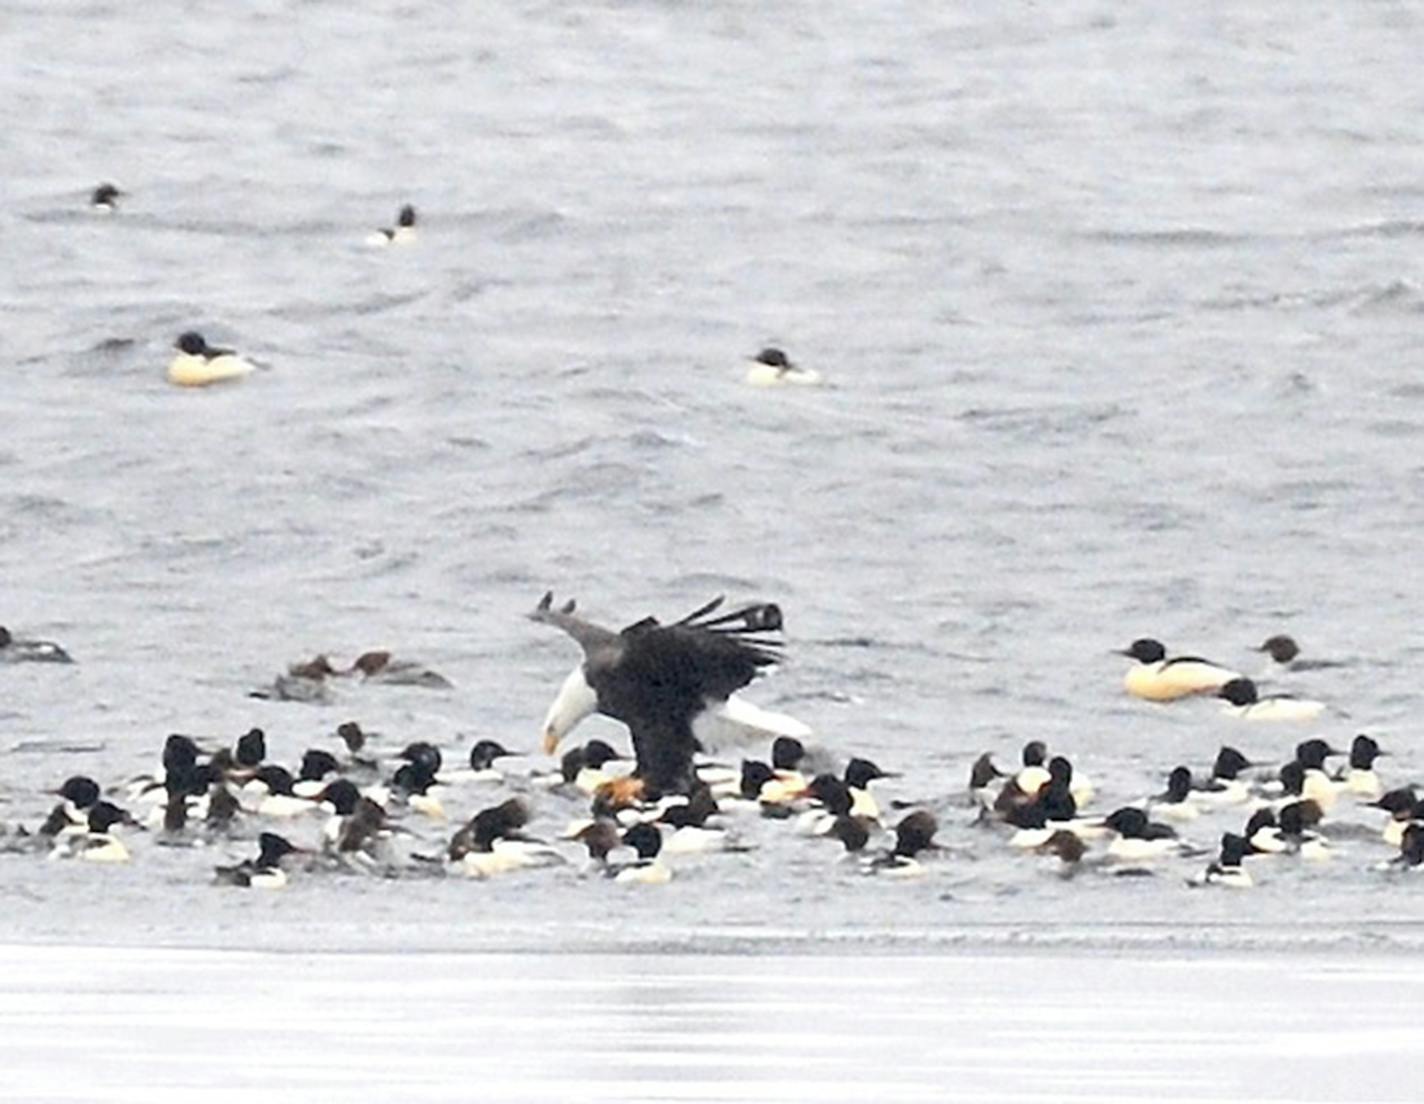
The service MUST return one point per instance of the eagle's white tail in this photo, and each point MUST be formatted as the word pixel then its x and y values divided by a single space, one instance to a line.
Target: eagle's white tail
pixel 737 721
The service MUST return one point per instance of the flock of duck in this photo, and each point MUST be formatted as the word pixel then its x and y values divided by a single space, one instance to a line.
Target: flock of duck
pixel 366 805
pixel 195 363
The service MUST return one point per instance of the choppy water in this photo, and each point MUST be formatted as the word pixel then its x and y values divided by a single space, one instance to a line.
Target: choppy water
pixel 1121 312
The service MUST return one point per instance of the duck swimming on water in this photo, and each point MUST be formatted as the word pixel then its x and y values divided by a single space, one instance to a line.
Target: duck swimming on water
pixel 198 364
pixel 773 368
pixel 1156 677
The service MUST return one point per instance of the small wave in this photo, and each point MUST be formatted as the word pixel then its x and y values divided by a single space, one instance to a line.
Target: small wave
pixel 1186 237
pixel 1039 420
pixel 1388 228
pixel 1397 296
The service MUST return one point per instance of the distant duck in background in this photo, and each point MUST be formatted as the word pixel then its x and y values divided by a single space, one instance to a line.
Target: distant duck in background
pixel 382 667
pixel 1155 677
pixel 105 198
pixel 1286 654
pixel 772 368
pixel 198 364
pixel 402 233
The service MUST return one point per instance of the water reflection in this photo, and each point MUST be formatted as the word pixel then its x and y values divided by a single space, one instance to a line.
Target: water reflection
pixel 158 1023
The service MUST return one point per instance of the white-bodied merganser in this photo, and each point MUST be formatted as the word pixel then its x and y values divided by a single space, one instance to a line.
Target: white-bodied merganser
pixel 1295 820
pixel 1225 787
pixel 402 233
pixel 1403 808
pixel 1155 677
pixel 1177 804
pixel 691 832
pixel 15 650
pixel 1227 870
pixel 1140 840
pixel 773 368
pixel 859 775
pixel 1359 777
pixel 415 783
pixel 492 842
pixel 315 771
pixel 71 815
pixel 270 793
pixel 98 844
pixel 913 835
pixel 648 868
pixel 198 364
pixel 1023 788
pixel 1244 701
pixel 481 767
pixel 263 872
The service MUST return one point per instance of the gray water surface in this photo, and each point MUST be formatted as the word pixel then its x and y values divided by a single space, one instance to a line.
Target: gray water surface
pixel 159 1026
pixel 1120 313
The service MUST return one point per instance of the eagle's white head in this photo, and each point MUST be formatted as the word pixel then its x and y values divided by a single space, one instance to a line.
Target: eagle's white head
pixel 575 701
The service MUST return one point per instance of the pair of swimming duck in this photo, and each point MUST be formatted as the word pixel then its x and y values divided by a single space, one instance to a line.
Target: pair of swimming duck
pixel 1155 676
pixel 307 681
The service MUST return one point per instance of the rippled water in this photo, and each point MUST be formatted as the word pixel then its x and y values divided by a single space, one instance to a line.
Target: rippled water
pixel 1120 312
pixel 701 1027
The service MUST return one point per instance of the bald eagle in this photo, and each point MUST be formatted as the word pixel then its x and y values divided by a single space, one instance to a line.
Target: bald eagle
pixel 666 682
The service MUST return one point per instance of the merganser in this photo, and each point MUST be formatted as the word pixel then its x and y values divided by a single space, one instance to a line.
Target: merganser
pixel 77 796
pixel 1360 778
pixel 317 765
pixel 914 834
pixel 1024 786
pixel 1244 701
pixel 105 197
pixel 1294 821
pixel 415 783
pixel 492 843
pixel 691 832
pixel 982 777
pixel 788 782
pixel 1411 850
pixel 1227 869
pixel 773 368
pixel 1286 653
pixel 1176 804
pixel 263 872
pixel 587 767
pixel 1264 833
pixel 648 868
pixel 859 775
pixel 1403 808
pixel 15 650
pixel 1316 784
pixel 1154 677
pixel 271 793
pixel 833 800
pixel 98 843
pixel 402 233
pixel 1140 840
pixel 198 364
pixel 381 667
pixel 481 768
pixel 1225 786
